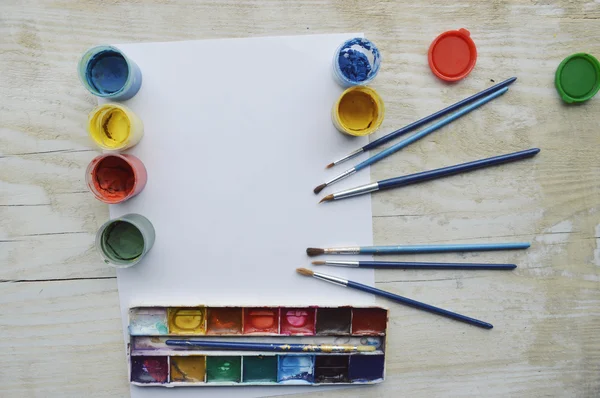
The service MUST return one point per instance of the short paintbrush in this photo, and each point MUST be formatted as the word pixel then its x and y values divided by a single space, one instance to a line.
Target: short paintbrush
pixel 414 249
pixel 421 122
pixel 403 300
pixel 416 265
pixel 226 345
pixel 430 175
pixel 407 141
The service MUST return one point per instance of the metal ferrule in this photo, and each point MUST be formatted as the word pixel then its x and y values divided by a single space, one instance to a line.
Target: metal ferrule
pixel 352 264
pixel 349 156
pixel 363 189
pixel 333 279
pixel 345 174
pixel 343 250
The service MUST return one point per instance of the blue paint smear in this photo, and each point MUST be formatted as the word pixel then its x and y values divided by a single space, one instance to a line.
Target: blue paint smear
pixel 353 61
pixel 107 72
pixel 296 368
pixel 366 367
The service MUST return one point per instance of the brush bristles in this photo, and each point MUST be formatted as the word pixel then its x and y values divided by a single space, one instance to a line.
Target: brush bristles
pixel 311 251
pixel 327 198
pixel 304 271
pixel 330 165
pixel 366 348
pixel 319 262
pixel 319 188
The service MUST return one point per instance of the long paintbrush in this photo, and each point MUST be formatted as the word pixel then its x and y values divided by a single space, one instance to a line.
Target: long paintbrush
pixel 417 136
pixel 430 175
pixel 416 265
pixel 271 347
pixel 414 249
pixel 403 300
pixel 421 122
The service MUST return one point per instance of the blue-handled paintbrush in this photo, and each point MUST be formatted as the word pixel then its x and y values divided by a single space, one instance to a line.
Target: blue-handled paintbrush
pixel 421 122
pixel 416 265
pixel 224 345
pixel 430 175
pixel 403 300
pixel 415 249
pixel 417 136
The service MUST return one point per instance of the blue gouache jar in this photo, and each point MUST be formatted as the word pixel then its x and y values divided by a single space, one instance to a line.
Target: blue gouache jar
pixel 106 72
pixel 356 62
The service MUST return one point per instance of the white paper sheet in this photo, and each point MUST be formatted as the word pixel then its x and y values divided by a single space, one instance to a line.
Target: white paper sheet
pixel 237 134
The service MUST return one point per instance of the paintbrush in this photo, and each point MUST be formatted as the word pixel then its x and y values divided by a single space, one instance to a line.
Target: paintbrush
pixel 403 300
pixel 415 265
pixel 271 347
pixel 417 136
pixel 414 249
pixel 430 175
pixel 421 122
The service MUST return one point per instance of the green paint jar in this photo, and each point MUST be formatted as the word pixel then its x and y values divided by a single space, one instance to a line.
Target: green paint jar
pixel 577 78
pixel 123 242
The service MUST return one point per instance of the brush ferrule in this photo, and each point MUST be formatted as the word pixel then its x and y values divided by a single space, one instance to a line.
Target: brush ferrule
pixel 343 250
pixel 349 156
pixel 345 174
pixel 332 279
pixel 363 189
pixel 352 264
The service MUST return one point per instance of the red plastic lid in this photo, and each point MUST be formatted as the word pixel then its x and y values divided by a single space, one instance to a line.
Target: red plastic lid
pixel 452 55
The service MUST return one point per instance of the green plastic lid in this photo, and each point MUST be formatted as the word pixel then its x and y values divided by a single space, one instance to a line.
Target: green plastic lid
pixel 578 78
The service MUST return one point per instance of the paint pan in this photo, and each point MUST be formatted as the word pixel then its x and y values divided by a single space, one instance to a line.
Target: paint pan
pixel 365 368
pixel 191 369
pixel 223 369
pixel 296 369
pixel 259 369
pixel 334 321
pixel 224 320
pixel 149 321
pixel 187 321
pixel 115 178
pixel 356 62
pixel 331 368
pixel 298 321
pixel 261 321
pixel 123 242
pixel 150 369
pixel 358 111
pixel 106 72
pixel 369 321
pixel 114 127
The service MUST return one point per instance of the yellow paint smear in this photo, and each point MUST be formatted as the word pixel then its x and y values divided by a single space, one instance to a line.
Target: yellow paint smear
pixel 110 126
pixel 359 111
pixel 189 321
pixel 188 368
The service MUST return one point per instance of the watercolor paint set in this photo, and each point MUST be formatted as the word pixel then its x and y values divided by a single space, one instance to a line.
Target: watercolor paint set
pixel 217 346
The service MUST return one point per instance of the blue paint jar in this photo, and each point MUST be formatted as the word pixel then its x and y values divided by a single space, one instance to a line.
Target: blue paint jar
pixel 106 72
pixel 356 62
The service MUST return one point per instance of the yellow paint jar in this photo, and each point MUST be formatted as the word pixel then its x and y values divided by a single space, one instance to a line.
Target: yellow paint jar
pixel 359 111
pixel 114 127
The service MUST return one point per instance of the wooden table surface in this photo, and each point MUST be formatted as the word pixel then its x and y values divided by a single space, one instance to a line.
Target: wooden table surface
pixel 60 325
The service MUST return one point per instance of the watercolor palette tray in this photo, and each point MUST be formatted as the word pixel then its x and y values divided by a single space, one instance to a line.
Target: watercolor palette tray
pixel 154 363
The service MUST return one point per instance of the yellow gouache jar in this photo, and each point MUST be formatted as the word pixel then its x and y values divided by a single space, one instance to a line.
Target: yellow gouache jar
pixel 114 127
pixel 358 111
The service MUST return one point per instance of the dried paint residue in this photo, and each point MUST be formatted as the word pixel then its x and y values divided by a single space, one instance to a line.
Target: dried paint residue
pixel 331 321
pixel 298 321
pixel 331 368
pixel 369 321
pixel 189 321
pixel 261 320
pixel 224 320
pixel 188 368
pixel 147 321
pixel 113 178
pixel 149 369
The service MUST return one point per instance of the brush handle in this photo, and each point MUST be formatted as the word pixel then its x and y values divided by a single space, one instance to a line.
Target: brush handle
pixel 421 265
pixel 419 305
pixel 456 169
pixel 433 116
pixel 441 248
pixel 262 346
pixel 396 147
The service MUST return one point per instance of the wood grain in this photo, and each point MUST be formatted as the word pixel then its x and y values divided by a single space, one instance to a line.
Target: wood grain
pixel 545 313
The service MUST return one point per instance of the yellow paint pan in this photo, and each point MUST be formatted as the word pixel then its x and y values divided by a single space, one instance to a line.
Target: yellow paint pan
pixel 359 111
pixel 114 127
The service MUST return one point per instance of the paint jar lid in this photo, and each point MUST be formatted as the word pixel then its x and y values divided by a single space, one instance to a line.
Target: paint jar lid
pixel 452 55
pixel 578 78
